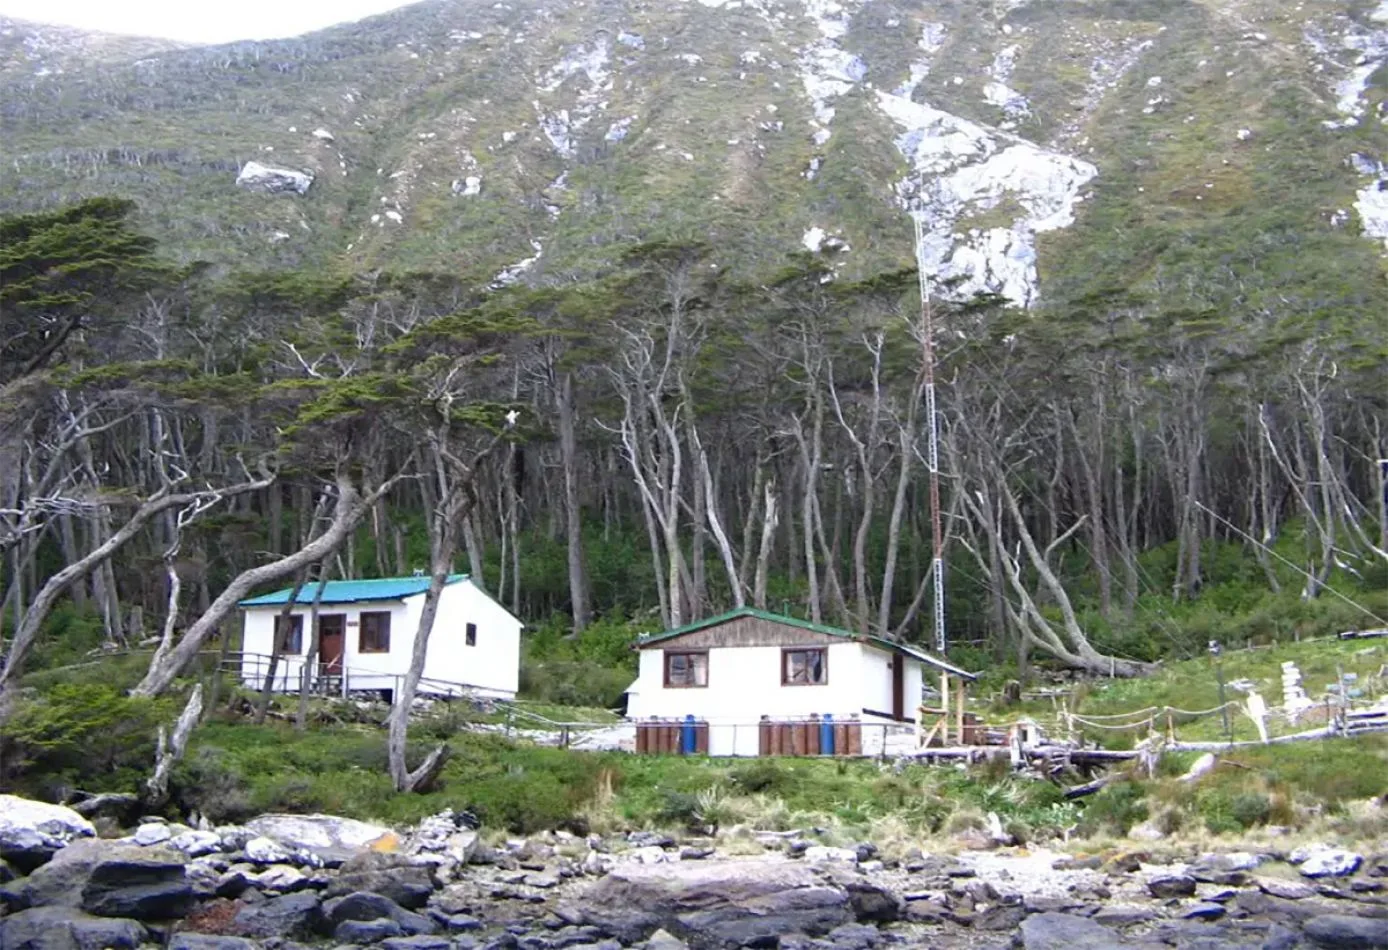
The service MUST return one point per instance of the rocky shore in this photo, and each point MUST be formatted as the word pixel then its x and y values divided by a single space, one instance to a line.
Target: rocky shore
pixel 282 881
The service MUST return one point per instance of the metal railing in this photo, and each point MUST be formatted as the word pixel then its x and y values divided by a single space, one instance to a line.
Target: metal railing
pixel 340 680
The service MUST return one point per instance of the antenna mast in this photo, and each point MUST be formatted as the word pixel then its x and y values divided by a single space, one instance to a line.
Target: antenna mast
pixel 937 562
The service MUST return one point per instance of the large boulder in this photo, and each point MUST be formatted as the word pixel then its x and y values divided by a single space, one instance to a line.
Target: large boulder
pixel 62 928
pixel 361 906
pixel 395 876
pixel 273 181
pixel 110 879
pixel 717 903
pixel 1321 860
pixel 32 832
pixel 1064 932
pixel 295 916
pixel 331 838
pixel 1349 933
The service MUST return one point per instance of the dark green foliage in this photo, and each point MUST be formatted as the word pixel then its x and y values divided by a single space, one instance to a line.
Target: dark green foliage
pixel 79 735
pixel 1115 809
pixel 760 775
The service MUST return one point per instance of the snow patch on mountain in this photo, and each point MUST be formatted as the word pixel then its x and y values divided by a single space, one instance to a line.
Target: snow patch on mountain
pixel 516 271
pixel 998 93
pixel 1371 201
pixel 959 168
pixel 827 70
pixel 1368 49
pixel 932 40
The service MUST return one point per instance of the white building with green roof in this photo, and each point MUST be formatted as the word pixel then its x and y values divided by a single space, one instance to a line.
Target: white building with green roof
pixel 366 631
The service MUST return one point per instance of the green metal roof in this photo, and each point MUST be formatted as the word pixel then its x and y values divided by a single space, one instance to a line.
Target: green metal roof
pixel 349 592
pixel 880 643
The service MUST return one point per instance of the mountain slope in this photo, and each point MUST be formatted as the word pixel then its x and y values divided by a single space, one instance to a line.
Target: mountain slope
pixel 1221 154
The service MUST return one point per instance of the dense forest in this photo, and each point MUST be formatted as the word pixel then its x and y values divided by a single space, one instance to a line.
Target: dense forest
pixel 1120 481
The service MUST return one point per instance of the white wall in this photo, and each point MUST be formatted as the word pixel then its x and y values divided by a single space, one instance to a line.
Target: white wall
pixel 744 684
pixel 491 667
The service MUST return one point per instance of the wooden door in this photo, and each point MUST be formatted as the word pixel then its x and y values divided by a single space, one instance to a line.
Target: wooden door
pixel 898 687
pixel 332 635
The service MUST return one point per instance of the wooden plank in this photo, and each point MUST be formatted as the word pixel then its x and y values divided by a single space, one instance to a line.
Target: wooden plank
pixel 701 738
pixel 764 737
pixel 812 730
pixel 840 738
pixel 855 738
pixel 643 738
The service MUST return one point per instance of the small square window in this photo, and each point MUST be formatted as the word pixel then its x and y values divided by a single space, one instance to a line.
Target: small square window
pixel 471 635
pixel 374 632
pixel 686 669
pixel 804 667
pixel 289 635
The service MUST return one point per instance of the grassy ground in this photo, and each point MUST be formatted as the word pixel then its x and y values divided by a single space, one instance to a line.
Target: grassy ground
pixel 1193 685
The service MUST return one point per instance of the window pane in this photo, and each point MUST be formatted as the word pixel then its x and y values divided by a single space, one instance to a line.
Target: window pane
pixel 472 634
pixel 805 668
pixel 289 637
pixel 686 669
pixel 374 636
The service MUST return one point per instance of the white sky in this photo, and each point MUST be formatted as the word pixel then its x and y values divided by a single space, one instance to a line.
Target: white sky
pixel 198 21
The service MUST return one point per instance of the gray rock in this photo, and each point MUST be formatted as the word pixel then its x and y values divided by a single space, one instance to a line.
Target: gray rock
pixel 422 942
pixel 1064 932
pixel 109 879
pixel 395 876
pixel 1280 938
pixel 271 180
pixel 151 833
pixel 690 853
pixel 1258 904
pixel 738 903
pixel 63 928
pixel 31 832
pixel 1205 910
pixel 196 843
pixel 1122 915
pixel 650 839
pixel 1350 933
pixel 363 905
pixel 187 941
pixel 294 916
pixel 1322 861
pixel 331 838
pixel 664 940
pixel 366 931
pixel 854 937
pixel 461 923
pixel 1289 890
pixel 1166 886
pixel 120 806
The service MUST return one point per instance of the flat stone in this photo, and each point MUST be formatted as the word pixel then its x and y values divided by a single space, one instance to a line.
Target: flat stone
pixel 110 879
pixel 190 941
pixel 420 942
pixel 153 832
pixel 1066 932
pixel 1122 915
pixel 1288 890
pixel 1205 910
pixel 196 843
pixel 1351 933
pixel 1092 862
pixel 366 931
pixel 1166 886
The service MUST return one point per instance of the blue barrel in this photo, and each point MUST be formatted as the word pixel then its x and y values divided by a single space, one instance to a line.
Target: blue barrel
pixel 826 734
pixel 687 736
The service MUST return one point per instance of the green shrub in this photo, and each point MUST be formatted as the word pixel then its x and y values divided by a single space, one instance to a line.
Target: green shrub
pixel 759 775
pixel 87 736
pixel 1115 809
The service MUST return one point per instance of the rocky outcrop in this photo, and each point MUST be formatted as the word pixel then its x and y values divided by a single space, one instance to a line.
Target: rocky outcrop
pixel 32 832
pixel 729 903
pixel 273 181
pixel 108 879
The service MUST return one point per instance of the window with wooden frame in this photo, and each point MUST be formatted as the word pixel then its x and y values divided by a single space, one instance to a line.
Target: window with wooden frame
pixel 684 669
pixel 373 634
pixel 805 667
pixel 470 635
pixel 289 635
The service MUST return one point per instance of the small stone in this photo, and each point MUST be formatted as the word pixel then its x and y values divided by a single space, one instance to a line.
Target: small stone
pixel 418 942
pixel 264 851
pixel 1090 862
pixel 152 833
pixel 542 881
pixel 196 843
pixel 1166 886
pixel 1122 915
pixel 819 854
pixel 1203 911
pixel 366 931
pixel 1287 890
pixel 691 853
pixel 663 940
